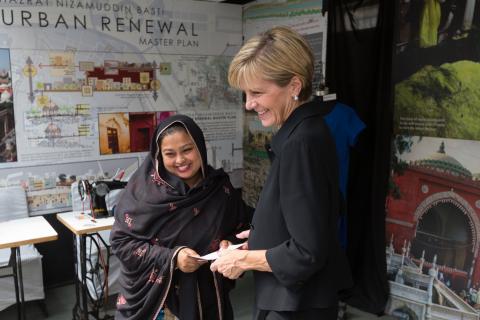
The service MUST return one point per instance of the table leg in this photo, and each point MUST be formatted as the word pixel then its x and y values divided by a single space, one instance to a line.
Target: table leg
pixel 20 278
pixel 13 257
pixel 76 309
pixel 83 272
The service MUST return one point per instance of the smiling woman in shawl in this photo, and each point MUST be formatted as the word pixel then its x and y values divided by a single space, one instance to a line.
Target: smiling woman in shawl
pixel 174 207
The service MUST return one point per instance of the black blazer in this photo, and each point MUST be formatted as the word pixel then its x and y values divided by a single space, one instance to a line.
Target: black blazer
pixel 297 215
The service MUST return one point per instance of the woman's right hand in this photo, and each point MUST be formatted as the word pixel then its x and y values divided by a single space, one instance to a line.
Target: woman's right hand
pixel 244 235
pixel 186 263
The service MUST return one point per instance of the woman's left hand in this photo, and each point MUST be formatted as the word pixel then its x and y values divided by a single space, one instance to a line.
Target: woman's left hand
pixel 186 261
pixel 224 244
pixel 230 263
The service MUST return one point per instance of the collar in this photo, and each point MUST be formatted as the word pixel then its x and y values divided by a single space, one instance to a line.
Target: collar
pixel 316 107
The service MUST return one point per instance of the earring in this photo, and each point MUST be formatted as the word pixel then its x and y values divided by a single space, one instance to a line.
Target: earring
pixel 295 97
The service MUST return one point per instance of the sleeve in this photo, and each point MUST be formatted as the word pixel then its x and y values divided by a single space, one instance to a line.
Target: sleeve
pixel 138 255
pixel 306 204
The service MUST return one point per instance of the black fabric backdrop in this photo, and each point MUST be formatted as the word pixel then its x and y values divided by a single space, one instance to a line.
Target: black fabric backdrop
pixel 359 65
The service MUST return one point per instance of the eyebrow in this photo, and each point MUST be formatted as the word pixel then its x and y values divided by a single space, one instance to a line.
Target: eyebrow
pixel 255 88
pixel 182 147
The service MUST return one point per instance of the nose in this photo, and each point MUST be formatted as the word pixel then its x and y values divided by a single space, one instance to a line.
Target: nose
pixel 179 159
pixel 250 104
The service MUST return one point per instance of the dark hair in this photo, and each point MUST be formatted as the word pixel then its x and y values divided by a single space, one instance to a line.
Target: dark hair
pixel 173 128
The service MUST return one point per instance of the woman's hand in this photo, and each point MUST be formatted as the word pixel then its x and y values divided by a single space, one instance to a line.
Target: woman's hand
pixel 231 263
pixel 224 244
pixel 244 235
pixel 186 263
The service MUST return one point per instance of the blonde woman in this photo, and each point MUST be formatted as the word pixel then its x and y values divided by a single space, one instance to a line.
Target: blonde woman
pixel 293 248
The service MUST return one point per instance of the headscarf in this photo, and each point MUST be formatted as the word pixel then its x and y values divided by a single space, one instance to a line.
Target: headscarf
pixel 158 215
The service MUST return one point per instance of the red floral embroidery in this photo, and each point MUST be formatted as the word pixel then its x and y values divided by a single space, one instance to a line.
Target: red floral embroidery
pixel 196 211
pixel 153 276
pixel 128 220
pixel 156 178
pixel 121 300
pixel 140 252
pixel 226 189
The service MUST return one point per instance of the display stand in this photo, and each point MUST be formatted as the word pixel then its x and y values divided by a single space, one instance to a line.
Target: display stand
pixel 84 226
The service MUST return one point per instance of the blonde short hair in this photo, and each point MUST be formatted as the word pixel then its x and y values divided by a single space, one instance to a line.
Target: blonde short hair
pixel 276 55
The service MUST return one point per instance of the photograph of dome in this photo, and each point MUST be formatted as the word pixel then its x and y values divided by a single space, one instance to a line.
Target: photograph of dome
pixel 433 224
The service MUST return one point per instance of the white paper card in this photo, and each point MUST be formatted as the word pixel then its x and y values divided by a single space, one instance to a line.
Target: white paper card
pixel 214 255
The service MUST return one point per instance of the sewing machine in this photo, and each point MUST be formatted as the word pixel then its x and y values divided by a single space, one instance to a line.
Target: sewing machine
pixel 97 191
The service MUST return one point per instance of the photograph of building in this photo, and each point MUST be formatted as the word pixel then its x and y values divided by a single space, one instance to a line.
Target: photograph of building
pixel 435 212
pixel 8 146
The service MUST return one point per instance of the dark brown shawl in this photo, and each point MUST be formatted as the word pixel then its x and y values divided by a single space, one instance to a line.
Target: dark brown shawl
pixel 157 215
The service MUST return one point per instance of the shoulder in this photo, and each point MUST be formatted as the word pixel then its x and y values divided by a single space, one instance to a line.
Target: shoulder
pixel 216 174
pixel 310 141
pixel 310 131
pixel 217 177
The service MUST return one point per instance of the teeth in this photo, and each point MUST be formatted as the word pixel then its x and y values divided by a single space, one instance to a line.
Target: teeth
pixel 261 112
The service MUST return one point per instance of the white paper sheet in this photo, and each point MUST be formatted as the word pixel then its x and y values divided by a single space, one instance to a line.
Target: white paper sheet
pixel 214 255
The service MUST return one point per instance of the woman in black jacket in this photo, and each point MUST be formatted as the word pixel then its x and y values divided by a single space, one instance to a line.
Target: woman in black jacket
pixel 293 248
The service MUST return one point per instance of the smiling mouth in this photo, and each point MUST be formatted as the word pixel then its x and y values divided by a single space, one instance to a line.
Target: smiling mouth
pixel 183 168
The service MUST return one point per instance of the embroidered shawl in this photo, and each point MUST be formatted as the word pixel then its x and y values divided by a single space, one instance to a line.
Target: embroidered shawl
pixel 157 215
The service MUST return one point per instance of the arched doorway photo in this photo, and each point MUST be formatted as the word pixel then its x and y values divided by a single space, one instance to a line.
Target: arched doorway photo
pixel 444 231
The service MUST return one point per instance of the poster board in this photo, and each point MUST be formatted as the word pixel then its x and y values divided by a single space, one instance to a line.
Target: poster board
pixel 433 206
pixel 86 83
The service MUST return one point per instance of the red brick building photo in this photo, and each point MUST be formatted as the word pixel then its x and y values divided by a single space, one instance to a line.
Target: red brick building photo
pixel 437 212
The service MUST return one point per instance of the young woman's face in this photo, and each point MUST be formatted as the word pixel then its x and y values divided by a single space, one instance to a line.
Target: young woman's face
pixel 269 101
pixel 181 157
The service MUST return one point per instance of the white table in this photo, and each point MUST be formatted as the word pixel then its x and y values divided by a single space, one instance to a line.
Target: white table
pixel 19 232
pixel 82 225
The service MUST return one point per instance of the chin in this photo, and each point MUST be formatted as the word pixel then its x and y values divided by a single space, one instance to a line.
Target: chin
pixel 184 175
pixel 267 123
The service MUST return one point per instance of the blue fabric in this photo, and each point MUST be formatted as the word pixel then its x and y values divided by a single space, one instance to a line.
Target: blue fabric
pixel 345 126
pixel 160 315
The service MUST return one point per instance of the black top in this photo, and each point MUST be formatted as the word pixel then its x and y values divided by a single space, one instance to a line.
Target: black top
pixel 296 217
pixel 157 215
